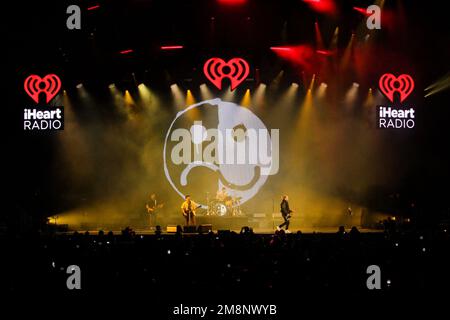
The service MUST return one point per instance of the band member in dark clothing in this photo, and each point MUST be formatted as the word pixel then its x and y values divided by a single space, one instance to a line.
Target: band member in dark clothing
pixel 285 212
pixel 153 206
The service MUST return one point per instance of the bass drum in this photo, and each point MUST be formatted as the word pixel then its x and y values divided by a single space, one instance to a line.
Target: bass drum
pixel 219 209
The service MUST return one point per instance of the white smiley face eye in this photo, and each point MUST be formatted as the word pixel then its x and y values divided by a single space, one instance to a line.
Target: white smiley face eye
pixel 239 132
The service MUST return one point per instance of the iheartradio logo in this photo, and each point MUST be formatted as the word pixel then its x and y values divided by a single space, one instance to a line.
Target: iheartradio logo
pixel 389 117
pixel 43 118
pixel 236 69
pixel 389 85
pixel 49 85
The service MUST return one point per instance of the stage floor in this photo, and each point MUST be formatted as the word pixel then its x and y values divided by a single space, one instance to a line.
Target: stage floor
pixel 306 230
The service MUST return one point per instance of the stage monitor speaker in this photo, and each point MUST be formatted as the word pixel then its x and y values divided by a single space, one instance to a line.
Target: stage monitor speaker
pixel 205 228
pixel 190 229
pixel 171 229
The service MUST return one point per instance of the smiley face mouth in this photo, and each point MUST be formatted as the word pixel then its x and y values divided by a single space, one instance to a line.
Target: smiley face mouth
pixel 215 168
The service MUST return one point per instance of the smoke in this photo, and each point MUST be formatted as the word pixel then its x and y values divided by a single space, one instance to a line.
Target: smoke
pixel 330 156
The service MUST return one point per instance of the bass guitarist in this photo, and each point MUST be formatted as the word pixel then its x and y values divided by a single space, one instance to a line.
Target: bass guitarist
pixel 153 207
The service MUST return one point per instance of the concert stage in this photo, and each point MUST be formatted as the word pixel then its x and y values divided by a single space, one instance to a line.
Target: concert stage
pixel 262 231
pixel 129 120
pixel 258 222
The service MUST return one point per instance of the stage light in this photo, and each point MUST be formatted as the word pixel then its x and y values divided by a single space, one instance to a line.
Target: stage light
pixel 304 116
pixel 275 83
pixel 129 102
pixel 93 7
pixel 288 98
pixel 322 6
pixel 320 93
pixel 311 85
pixel 281 49
pixel 171 47
pixel 232 2
pixel 178 96
pixel 82 92
pixel 229 95
pixel 301 55
pixel 258 97
pixel 126 51
pixel 291 92
pixel 319 39
pixel 363 11
pixel 111 86
pixel 351 95
pixel 307 102
pixel 147 98
pixel 205 93
pixel 245 102
pixel 334 40
pixel 326 53
pixel 370 101
pixel 189 98
pixel 438 86
pixel 348 52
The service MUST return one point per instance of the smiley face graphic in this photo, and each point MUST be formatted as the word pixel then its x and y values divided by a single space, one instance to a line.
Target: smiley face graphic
pixel 216 144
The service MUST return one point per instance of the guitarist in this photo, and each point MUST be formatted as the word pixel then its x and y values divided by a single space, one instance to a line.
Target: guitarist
pixel 188 209
pixel 285 212
pixel 152 207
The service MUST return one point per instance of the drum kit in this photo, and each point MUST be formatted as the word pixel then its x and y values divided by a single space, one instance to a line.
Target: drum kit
pixel 229 206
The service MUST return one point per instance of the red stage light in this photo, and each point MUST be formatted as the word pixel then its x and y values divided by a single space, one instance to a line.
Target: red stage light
pixel 322 6
pixel 171 47
pixel 325 52
pixel 280 48
pixel 231 2
pixel 126 51
pixel 302 55
pixel 93 7
pixel 362 11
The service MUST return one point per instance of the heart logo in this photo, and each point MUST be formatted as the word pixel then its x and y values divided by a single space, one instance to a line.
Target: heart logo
pixel 236 69
pixel 403 84
pixel 50 85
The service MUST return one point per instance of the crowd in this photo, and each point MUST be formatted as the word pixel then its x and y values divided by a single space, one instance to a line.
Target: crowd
pixel 228 261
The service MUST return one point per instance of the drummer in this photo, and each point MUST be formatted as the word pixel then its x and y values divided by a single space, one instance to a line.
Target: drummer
pixel 222 194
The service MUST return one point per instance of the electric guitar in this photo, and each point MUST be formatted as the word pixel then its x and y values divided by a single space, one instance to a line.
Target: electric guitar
pixel 187 212
pixel 153 210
